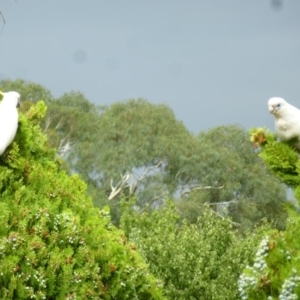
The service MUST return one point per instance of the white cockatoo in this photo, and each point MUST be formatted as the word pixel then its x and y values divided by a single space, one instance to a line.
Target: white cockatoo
pixel 287 120
pixel 9 118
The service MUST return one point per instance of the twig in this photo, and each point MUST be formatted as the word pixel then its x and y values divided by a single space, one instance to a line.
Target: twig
pixel 115 190
pixel 156 198
pixel 200 188
pixel 225 202
pixel 139 180
pixel 233 223
pixel 3 21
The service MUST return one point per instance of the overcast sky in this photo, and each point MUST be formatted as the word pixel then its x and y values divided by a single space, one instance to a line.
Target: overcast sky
pixel 214 62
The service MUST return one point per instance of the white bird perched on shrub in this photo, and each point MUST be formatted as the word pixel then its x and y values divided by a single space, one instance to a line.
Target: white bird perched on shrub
pixel 287 121
pixel 9 118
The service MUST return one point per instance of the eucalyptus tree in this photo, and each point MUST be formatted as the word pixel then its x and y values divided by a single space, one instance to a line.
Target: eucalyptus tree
pixel 139 149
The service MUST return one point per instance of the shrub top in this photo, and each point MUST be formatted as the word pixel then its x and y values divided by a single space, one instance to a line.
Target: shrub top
pixel 53 243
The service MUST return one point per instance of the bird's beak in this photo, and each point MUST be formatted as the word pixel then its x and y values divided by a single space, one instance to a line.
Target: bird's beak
pixel 18 105
pixel 271 109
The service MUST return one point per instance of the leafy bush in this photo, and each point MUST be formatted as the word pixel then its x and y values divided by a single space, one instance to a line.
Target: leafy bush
pixel 53 243
pixel 193 261
pixel 275 272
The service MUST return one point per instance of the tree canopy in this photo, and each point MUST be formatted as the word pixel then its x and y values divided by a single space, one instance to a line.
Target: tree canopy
pixel 137 148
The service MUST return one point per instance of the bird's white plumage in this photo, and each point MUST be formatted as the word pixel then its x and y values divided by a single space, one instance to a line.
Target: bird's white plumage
pixel 9 118
pixel 287 120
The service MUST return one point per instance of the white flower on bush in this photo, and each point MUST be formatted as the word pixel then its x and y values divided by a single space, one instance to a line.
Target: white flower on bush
pixel 288 287
pixel 262 252
pixel 249 280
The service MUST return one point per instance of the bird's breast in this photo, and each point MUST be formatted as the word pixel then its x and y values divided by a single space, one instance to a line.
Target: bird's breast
pixel 283 125
pixel 287 129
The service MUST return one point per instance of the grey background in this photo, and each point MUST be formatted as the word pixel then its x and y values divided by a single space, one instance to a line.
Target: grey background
pixel 214 62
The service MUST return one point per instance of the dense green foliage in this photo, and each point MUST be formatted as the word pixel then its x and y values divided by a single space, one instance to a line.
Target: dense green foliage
pixel 275 273
pixel 54 244
pixel 193 261
pixel 250 192
pixel 71 120
pixel 136 148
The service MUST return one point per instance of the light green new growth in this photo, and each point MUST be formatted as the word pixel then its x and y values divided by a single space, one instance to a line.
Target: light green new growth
pixel 193 261
pixel 53 243
pixel 275 273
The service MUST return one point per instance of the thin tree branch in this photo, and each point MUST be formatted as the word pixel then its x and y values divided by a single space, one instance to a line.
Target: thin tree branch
pixel 2 17
pixel 134 187
pixel 156 198
pixel 3 22
pixel 48 122
pixel 225 202
pixel 116 190
pixel 182 193
pixel 220 216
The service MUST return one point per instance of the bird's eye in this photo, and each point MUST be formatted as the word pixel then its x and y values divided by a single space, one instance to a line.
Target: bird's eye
pixel 278 105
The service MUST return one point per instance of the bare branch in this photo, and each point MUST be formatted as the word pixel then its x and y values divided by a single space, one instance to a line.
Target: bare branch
pixel 48 122
pixel 58 124
pixel 119 186
pixel 182 192
pixel 220 216
pixel 221 203
pixel 134 186
pixel 179 173
pixel 2 17
pixel 63 149
pixel 156 198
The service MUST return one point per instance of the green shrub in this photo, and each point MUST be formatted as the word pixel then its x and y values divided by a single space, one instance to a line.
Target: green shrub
pixel 275 272
pixel 193 261
pixel 53 243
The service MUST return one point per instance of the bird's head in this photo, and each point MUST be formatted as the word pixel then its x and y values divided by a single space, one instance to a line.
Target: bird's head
pixel 277 106
pixel 11 98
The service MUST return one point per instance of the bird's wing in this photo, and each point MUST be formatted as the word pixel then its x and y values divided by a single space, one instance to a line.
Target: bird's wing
pixel 8 127
pixel 288 125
